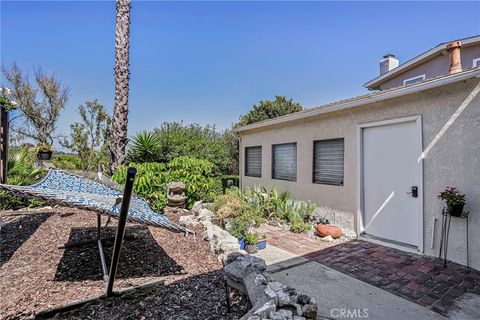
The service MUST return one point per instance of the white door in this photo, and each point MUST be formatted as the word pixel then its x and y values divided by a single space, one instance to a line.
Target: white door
pixel 391 167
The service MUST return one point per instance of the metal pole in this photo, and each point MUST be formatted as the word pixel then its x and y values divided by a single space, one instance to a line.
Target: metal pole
pixel 122 221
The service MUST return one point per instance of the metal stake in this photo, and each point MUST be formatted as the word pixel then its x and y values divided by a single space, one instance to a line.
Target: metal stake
pixel 122 221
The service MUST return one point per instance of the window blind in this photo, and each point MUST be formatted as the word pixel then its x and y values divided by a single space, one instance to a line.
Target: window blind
pixel 253 161
pixel 284 161
pixel 328 158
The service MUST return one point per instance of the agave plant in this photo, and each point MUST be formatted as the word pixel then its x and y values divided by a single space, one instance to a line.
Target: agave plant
pixel 145 148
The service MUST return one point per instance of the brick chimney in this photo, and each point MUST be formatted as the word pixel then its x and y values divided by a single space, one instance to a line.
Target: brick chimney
pixel 388 63
pixel 454 56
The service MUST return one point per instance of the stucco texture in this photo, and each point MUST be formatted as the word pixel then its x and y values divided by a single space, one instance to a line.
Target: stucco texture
pixel 453 160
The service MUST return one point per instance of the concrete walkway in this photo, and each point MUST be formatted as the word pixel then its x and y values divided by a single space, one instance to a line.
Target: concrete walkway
pixel 340 296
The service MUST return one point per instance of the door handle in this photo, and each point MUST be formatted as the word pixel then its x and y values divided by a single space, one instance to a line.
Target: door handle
pixel 414 192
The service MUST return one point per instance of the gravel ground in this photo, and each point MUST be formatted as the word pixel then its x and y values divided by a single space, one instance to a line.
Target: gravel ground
pixel 35 275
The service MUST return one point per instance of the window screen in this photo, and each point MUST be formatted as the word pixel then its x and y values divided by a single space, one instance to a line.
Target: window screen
pixel 253 161
pixel 328 158
pixel 284 161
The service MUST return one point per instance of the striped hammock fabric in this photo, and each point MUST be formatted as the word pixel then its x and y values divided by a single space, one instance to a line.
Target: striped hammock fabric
pixel 65 189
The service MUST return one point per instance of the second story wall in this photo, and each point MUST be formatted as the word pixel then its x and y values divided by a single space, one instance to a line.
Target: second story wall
pixel 434 67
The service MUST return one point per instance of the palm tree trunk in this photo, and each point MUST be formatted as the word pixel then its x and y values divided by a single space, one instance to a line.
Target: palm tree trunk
pixel 122 77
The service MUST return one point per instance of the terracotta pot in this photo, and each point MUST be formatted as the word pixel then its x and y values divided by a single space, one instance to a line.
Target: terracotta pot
pixel 325 230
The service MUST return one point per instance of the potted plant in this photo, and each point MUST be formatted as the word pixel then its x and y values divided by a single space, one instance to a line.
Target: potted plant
pixel 44 151
pixel 251 243
pixel 454 199
pixel 325 229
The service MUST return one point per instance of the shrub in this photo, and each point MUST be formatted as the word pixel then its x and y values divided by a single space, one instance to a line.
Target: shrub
pixel 173 139
pixel 21 171
pixel 152 179
pixel 272 204
pixel 67 162
pixel 243 223
pixel 228 206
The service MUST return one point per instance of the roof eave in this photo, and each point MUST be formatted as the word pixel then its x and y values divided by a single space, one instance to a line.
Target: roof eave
pixel 473 73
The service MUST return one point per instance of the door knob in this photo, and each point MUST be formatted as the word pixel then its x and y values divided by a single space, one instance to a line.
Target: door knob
pixel 414 192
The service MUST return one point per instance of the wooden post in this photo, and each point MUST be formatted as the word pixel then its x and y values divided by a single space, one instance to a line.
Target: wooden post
pixel 3 144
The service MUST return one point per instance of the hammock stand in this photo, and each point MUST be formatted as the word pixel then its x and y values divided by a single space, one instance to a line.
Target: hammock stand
pixel 140 213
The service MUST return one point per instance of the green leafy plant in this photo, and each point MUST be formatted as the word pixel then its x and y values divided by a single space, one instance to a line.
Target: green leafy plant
pixel 243 223
pixel 42 147
pixel 175 139
pixel 152 179
pixel 5 100
pixel 452 196
pixel 68 162
pixel 21 171
pixel 251 238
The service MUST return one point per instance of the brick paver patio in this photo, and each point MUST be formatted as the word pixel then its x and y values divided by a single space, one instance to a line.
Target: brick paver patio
pixel 420 279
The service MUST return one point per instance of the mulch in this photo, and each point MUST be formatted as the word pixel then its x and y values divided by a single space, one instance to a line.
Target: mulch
pixel 35 275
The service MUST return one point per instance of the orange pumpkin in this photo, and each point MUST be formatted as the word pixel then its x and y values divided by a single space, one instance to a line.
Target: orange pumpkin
pixel 325 230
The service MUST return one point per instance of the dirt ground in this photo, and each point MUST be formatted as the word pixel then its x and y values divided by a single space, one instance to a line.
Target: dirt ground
pixel 35 275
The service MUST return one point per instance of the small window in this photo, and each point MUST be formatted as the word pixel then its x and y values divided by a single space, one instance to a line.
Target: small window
pixel 414 79
pixel 284 161
pixel 476 63
pixel 253 161
pixel 328 158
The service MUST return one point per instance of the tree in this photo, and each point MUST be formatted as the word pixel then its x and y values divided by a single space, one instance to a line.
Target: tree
pixel 267 109
pixel 122 77
pixel 40 114
pixel 174 139
pixel 89 139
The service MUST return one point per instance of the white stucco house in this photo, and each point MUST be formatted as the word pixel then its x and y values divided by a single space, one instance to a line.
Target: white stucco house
pixel 378 161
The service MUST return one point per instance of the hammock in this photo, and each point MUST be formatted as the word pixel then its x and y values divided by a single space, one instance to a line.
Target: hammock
pixel 65 189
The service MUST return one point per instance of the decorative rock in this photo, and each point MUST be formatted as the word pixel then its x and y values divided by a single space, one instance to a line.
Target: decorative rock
pixel 283 299
pixel 187 221
pixel 282 314
pixel 265 310
pixel 197 206
pixel 260 279
pixel 327 239
pixel 324 230
pixel 309 311
pixel 205 214
pixel 303 298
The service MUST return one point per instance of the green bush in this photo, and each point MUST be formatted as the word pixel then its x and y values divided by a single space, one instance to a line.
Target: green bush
pixel 21 171
pixel 269 205
pixel 67 162
pixel 152 179
pixel 173 139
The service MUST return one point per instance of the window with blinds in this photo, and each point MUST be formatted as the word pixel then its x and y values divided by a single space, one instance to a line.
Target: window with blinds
pixel 253 161
pixel 284 161
pixel 328 157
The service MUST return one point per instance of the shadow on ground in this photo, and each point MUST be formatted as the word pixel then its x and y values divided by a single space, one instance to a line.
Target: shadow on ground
pixel 15 233
pixel 197 297
pixel 140 257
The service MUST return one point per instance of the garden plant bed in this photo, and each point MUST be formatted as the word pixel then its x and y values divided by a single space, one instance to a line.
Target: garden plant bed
pixel 35 275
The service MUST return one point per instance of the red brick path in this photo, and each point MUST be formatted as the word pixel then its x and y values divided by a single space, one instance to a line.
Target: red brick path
pixel 415 277
pixel 297 243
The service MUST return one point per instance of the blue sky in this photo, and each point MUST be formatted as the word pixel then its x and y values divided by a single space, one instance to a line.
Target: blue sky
pixel 209 62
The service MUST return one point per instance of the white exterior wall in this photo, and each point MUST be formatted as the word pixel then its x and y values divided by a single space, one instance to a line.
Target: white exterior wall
pixel 454 160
